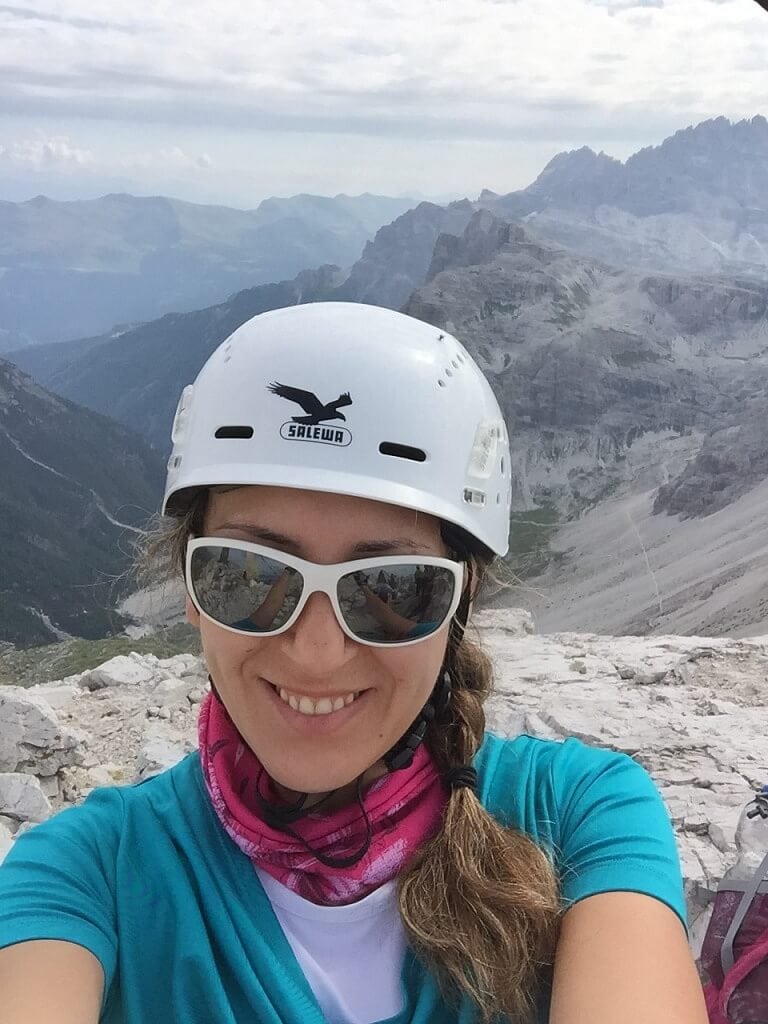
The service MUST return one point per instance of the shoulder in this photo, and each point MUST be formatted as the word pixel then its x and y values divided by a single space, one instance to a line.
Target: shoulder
pixel 598 812
pixel 523 774
pixel 99 822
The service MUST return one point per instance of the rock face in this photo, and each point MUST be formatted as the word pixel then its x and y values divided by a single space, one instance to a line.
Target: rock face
pixel 72 482
pixel 693 711
pixel 696 201
pixel 732 460
pixel 32 736
pixel 588 361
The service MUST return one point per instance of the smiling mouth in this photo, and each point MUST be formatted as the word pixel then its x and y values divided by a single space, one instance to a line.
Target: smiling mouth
pixel 309 706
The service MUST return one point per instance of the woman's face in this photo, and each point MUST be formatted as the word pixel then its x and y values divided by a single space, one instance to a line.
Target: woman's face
pixel 315 658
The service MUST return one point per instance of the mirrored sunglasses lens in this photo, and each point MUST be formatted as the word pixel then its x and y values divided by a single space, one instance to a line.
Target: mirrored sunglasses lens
pixel 244 590
pixel 396 602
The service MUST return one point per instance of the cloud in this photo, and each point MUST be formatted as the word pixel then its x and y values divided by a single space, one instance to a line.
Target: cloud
pixel 31 14
pixel 625 5
pixel 429 69
pixel 168 158
pixel 44 154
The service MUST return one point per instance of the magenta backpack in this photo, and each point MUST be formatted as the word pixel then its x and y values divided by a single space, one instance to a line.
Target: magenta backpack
pixel 734 957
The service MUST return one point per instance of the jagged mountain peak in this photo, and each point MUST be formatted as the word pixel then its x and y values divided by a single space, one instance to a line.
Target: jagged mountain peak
pixel 482 239
pixel 582 159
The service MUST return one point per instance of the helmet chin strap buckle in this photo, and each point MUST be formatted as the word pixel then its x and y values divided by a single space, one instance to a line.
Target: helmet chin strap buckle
pixel 402 753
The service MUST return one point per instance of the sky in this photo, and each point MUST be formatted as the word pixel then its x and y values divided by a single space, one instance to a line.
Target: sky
pixel 232 102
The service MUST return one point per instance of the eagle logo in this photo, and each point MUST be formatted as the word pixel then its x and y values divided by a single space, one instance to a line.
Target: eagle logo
pixel 311 404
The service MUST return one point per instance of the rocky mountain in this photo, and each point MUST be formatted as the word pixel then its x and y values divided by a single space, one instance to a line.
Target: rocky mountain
pixel 587 359
pixel 697 200
pixel 692 713
pixel 121 258
pixel 397 260
pixel 136 375
pixel 611 381
pixel 74 486
pixel 626 394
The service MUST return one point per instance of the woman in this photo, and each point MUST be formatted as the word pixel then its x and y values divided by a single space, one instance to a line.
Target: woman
pixel 348 845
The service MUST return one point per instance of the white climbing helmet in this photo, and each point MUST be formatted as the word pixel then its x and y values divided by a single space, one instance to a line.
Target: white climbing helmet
pixel 350 399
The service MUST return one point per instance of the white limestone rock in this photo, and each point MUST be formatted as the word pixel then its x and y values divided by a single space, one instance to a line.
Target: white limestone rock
pixel 10 823
pixel 32 737
pixel 515 621
pixel 22 798
pixel 693 711
pixel 159 752
pixel 122 670
pixel 6 841
pixel 55 694
pixel 172 692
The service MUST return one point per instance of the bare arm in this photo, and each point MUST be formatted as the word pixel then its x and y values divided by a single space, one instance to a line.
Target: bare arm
pixel 624 957
pixel 47 981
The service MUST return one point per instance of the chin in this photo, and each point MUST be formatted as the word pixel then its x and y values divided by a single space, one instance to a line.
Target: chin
pixel 319 778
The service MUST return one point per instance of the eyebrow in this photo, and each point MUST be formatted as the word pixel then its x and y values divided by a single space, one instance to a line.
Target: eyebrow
pixel 375 545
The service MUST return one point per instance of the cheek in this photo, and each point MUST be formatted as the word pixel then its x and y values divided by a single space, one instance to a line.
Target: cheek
pixel 414 671
pixel 226 654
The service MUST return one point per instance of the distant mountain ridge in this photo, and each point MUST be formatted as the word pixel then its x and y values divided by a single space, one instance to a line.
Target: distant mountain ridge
pixel 122 259
pixel 73 484
pixel 135 376
pixel 699 199
pixel 637 376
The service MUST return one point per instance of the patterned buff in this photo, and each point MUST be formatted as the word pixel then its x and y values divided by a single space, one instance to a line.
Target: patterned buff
pixel 405 809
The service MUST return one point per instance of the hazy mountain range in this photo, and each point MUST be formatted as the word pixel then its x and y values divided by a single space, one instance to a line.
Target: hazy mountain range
pixel 639 378
pixel 68 269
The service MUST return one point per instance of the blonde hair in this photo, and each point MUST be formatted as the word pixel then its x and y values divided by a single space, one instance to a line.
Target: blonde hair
pixel 480 902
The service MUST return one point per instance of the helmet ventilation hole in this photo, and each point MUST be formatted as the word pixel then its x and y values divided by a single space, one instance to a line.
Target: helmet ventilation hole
pixel 455 364
pixel 502 465
pixel 448 371
pixel 402 451
pixel 234 432
pixel 441 383
pixel 498 499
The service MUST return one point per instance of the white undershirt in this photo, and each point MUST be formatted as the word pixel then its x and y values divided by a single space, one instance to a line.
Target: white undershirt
pixel 352 956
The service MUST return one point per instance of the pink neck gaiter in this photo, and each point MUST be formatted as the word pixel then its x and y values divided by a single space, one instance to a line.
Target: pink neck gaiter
pixel 405 809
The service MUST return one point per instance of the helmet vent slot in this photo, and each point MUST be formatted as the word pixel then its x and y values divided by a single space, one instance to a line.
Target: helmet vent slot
pixel 402 451
pixel 233 432
pixel 473 497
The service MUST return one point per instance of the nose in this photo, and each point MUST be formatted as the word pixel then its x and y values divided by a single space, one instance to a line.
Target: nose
pixel 316 642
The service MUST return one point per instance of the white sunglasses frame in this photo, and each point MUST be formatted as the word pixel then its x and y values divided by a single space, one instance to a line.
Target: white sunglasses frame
pixel 323 579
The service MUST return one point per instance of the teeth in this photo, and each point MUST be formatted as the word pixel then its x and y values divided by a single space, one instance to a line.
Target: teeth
pixel 324 706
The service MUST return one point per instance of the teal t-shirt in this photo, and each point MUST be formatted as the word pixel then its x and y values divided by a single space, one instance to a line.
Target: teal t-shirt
pixel 145 877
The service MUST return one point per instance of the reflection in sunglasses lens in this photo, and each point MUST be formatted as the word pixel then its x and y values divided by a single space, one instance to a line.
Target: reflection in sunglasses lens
pixel 396 602
pixel 243 589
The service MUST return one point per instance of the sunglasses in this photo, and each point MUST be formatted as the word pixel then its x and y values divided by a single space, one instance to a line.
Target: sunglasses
pixel 386 601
